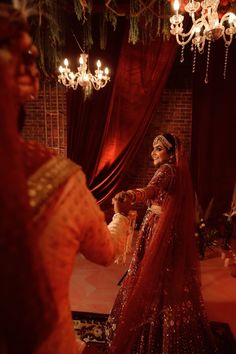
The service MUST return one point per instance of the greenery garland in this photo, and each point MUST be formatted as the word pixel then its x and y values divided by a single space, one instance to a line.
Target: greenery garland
pixel 48 34
pixel 147 20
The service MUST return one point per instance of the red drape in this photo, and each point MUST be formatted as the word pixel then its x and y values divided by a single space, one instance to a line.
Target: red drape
pixel 120 119
pixel 214 127
pixel 87 118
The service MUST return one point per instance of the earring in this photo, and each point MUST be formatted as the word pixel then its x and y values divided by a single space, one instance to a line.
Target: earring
pixel 171 159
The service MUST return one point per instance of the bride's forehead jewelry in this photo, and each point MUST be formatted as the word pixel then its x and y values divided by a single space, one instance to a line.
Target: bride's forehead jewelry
pixel 163 140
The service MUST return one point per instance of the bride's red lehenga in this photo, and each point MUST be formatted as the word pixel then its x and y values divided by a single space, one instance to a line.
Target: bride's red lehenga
pixel 159 308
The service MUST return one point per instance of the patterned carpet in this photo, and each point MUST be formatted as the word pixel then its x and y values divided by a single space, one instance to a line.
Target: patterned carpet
pixel 90 328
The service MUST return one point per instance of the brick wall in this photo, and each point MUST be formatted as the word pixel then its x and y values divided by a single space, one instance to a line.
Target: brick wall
pixel 46 118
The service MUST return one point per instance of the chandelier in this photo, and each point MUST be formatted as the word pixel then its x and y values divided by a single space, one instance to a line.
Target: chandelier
pixel 207 26
pixel 83 76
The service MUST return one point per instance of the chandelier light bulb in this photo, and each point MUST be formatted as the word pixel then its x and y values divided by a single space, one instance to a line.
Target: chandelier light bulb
pixel 66 62
pixel 99 64
pixel 106 71
pixel 81 60
pixel 232 18
pixel 176 6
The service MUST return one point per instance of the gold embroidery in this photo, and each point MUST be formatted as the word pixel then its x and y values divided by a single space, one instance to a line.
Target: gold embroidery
pixel 43 183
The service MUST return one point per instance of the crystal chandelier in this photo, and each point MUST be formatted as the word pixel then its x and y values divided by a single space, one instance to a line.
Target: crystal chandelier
pixel 83 76
pixel 206 26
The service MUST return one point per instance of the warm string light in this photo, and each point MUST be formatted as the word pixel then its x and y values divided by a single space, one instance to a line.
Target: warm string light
pixel 207 27
pixel 83 76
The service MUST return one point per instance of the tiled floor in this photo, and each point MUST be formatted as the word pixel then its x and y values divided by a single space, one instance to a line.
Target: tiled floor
pixel 219 291
pixel 94 288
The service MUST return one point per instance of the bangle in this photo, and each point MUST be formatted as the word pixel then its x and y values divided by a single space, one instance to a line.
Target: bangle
pixel 131 194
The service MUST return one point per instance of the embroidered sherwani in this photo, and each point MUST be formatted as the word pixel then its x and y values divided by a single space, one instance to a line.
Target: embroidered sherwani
pixel 68 221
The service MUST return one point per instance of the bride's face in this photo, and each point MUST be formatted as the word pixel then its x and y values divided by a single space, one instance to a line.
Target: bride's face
pixel 159 154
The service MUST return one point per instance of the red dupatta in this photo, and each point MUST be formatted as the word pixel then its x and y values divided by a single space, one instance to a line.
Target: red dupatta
pixel 173 248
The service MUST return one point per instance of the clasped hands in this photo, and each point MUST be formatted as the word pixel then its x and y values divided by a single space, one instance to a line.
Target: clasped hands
pixel 122 203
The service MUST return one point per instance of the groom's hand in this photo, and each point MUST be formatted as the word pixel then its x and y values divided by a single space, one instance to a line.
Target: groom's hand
pixel 121 206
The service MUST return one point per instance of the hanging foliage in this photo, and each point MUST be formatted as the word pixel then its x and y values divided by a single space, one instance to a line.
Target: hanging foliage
pixel 111 18
pixel 87 34
pixel 147 19
pixel 48 34
pixel 80 10
pixel 134 28
pixel 103 32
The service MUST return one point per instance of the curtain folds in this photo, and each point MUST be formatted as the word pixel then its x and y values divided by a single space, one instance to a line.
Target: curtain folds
pixel 105 132
pixel 214 127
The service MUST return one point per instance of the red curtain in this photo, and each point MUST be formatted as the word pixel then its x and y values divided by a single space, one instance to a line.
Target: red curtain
pixel 120 116
pixel 214 127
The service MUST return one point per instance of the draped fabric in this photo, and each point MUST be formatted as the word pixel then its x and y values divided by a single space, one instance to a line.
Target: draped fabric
pixel 105 132
pixel 214 126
